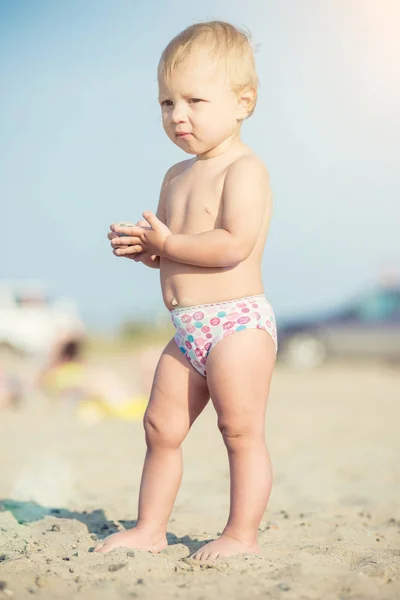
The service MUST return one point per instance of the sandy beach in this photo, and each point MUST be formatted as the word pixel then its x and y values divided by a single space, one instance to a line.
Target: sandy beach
pixel 331 530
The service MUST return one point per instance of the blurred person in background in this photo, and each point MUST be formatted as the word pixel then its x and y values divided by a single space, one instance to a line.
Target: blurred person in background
pixel 95 391
pixel 207 239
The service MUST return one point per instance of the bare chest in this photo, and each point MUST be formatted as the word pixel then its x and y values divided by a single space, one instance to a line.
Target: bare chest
pixel 194 202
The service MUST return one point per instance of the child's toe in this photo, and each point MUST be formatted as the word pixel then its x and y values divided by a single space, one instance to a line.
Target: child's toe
pixel 205 556
pixel 99 546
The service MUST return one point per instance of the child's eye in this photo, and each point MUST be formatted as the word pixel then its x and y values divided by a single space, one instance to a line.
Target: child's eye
pixel 194 100
pixel 166 103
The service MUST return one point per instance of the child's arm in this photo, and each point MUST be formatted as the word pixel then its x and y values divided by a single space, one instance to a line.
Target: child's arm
pixel 246 197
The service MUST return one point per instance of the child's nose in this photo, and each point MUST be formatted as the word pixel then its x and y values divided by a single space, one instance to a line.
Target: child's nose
pixel 178 114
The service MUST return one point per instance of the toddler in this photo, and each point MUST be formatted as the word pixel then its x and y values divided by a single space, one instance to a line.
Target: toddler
pixel 207 239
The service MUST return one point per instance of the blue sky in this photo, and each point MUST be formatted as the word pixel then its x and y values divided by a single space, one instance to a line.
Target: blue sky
pixel 81 143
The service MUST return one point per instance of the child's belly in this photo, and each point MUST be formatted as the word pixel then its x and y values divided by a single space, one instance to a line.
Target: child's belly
pixel 187 285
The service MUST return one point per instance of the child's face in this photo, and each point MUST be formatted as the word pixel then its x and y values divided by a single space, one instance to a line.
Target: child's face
pixel 199 108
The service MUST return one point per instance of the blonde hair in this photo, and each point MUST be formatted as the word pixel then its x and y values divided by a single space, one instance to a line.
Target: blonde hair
pixel 226 42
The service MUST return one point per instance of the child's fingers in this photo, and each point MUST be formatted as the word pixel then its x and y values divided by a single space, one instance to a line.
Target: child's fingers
pixel 124 241
pixel 126 251
pixel 111 235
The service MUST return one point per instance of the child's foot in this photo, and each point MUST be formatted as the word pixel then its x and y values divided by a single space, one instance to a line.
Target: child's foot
pixel 133 538
pixel 224 546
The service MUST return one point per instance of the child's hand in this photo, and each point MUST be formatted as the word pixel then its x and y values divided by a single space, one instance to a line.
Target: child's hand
pixel 151 239
pixel 124 245
pixel 146 259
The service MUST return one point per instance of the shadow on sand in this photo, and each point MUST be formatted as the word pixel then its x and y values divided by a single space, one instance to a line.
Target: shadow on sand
pixel 95 521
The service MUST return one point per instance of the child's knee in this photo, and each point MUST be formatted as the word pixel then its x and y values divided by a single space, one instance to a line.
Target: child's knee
pixel 162 434
pixel 237 434
pixel 234 434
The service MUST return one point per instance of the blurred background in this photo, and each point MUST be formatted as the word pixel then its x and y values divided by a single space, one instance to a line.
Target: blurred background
pixel 82 146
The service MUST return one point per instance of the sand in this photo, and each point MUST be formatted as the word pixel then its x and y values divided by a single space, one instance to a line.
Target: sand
pixel 331 530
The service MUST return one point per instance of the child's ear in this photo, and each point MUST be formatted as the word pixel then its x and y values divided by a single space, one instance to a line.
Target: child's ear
pixel 247 102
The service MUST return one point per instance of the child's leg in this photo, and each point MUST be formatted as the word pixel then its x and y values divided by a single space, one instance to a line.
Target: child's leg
pixel 178 396
pixel 239 371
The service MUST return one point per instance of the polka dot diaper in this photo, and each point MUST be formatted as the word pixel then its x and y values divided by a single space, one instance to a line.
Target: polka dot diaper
pixel 200 328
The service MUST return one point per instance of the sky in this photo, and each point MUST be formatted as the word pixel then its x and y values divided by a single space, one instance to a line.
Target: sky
pixel 82 146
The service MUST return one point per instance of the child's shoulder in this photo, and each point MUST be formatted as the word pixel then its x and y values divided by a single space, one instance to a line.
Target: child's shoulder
pixel 177 169
pixel 248 164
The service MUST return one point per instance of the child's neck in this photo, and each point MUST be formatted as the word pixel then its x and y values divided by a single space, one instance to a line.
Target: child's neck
pixel 230 144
